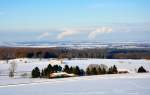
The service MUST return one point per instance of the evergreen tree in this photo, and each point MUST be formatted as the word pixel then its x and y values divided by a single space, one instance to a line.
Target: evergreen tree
pixel 93 71
pixel 103 71
pixel 88 72
pixel 141 70
pixel 115 71
pixel 35 72
pixel 59 68
pixel 49 69
pixel 55 68
pixel 76 70
pixel 43 73
pixel 71 70
pixel 99 70
pixel 66 69
pixel 46 72
pixel 110 70
pixel 82 72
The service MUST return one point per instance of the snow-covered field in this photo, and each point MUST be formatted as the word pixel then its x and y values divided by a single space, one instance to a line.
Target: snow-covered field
pixel 116 84
pixel 119 84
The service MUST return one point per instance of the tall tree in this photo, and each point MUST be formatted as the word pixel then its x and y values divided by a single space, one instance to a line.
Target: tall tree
pixel 66 69
pixel 88 72
pixel 115 71
pixel 50 69
pixel 36 72
pixel 76 70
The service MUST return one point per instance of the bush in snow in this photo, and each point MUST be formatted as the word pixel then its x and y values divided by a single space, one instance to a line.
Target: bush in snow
pixel 141 70
pixel 36 72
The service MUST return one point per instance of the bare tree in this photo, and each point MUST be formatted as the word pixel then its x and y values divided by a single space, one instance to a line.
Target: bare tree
pixel 12 68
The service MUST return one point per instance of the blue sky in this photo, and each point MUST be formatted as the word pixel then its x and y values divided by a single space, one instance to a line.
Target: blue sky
pixel 75 20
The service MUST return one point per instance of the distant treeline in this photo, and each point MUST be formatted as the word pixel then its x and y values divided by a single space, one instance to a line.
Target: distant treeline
pixel 109 53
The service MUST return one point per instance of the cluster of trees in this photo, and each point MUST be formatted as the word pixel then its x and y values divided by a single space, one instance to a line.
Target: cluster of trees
pixel 49 70
pixel 74 70
pixel 45 73
pixel 91 70
pixel 100 69
pixel 109 53
pixel 112 70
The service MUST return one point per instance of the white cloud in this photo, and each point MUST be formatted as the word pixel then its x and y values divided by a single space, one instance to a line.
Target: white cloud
pixel 92 32
pixel 66 33
pixel 101 30
pixel 43 35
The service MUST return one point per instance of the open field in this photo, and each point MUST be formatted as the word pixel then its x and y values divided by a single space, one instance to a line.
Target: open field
pixel 132 83
pixel 120 84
